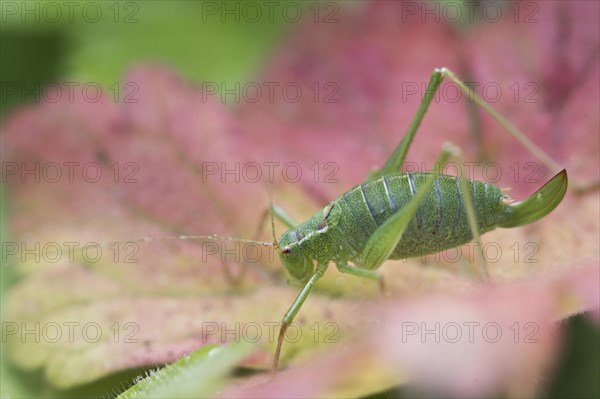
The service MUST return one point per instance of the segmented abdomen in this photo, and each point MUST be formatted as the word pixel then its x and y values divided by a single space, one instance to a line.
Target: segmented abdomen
pixel 440 222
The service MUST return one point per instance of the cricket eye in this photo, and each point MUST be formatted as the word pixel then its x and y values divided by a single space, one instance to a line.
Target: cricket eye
pixel 286 250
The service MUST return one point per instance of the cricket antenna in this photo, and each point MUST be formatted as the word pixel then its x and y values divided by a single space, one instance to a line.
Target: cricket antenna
pixel 210 237
pixel 214 237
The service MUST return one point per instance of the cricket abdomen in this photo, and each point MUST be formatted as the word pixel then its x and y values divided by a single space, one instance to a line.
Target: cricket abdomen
pixel 440 221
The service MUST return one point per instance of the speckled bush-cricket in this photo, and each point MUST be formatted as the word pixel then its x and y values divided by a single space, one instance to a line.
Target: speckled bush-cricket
pixel 402 215
pixel 394 215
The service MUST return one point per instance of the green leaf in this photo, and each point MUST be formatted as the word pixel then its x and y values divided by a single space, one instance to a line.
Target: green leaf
pixel 199 374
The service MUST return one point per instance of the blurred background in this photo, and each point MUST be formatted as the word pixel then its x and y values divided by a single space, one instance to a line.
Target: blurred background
pixel 81 41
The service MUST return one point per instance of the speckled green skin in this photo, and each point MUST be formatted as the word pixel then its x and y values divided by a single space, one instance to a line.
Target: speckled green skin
pixel 440 222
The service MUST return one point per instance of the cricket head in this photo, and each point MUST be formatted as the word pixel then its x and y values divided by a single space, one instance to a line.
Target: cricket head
pixel 291 253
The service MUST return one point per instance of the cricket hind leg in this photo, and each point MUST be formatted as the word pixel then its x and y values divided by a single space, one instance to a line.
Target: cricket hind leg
pixel 396 159
pixel 386 238
pixel 579 187
pixel 375 251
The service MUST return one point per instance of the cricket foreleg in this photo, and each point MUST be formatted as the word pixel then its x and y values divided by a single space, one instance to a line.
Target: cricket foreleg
pixel 293 310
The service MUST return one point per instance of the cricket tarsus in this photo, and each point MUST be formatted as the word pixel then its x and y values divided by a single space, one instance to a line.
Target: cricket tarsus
pixel 275 365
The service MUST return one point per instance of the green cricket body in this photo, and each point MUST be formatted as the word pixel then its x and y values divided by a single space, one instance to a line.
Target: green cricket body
pixel 339 232
pixel 402 215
